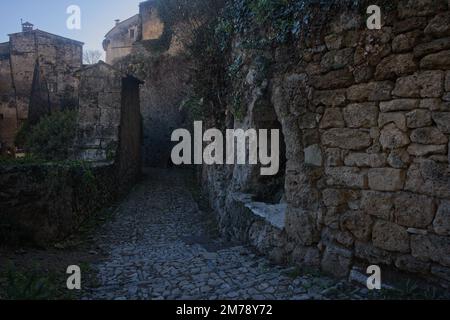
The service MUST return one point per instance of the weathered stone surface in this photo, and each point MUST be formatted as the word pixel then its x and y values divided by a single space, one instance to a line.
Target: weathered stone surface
pixel 392 137
pixel 439 26
pixel 422 150
pixel 337 59
pixel 399 158
pixel 334 157
pixel 374 160
pixel 363 73
pixel 441 224
pixel 399 105
pixel 368 252
pixel 372 91
pixel 413 210
pixel 406 41
pixel 337 261
pixel 308 120
pixel 428 177
pixel 397 118
pixel 401 26
pixel 333 41
pixel 337 197
pixel 411 264
pixel 395 65
pixel 447 81
pixel 425 84
pixel 390 236
pixel 358 223
pixel 428 135
pixel 386 179
pixel 419 118
pixel 332 119
pixel 345 176
pixel 434 105
pixel 440 60
pixel 301 226
pixel 351 139
pixel 378 204
pixel 441 272
pixel 333 80
pixel 334 98
pixel 442 120
pixel 313 155
pixel 419 8
pixel 431 248
pixel 431 47
pixel 331 236
pixel 407 87
pixel 361 115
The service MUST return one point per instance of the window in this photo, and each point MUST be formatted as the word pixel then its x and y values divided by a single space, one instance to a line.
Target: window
pixel 2 116
pixel 131 33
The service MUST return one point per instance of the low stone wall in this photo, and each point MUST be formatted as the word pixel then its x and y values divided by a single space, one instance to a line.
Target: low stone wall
pixel 366 121
pixel 42 204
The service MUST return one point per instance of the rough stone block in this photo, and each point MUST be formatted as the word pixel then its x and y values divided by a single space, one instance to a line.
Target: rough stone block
pixel 313 155
pixel 350 139
pixel 361 115
pixel 419 118
pixel 338 197
pixel 401 26
pixel 392 138
pixel 334 98
pixel 358 223
pixel 386 179
pixel 406 41
pixel 434 46
pixel 378 204
pixel 422 150
pixel 431 248
pixel 399 105
pixel 371 254
pixel 441 272
pixel 395 66
pixel 374 160
pixel 345 176
pixel 372 91
pixel 428 177
pixel 332 119
pixel 398 118
pixel 442 120
pixel 337 261
pixel 337 59
pixel 390 236
pixel 420 8
pixel 441 224
pixel 334 157
pixel 428 135
pixel 410 264
pixel 333 80
pixel 413 210
pixel 436 61
pixel 399 159
pixel 439 26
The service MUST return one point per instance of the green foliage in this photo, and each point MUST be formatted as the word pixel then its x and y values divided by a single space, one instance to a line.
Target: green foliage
pixel 31 285
pixel 52 138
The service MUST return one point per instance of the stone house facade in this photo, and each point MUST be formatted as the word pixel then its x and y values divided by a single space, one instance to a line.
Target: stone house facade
pixel 146 25
pixel 35 63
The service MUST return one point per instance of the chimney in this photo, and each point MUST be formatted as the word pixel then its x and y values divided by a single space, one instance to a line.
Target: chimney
pixel 117 21
pixel 26 27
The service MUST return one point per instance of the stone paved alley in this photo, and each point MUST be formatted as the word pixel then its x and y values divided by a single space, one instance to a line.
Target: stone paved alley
pixel 157 248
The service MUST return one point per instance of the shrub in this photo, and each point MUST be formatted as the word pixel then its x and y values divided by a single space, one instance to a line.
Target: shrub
pixel 52 137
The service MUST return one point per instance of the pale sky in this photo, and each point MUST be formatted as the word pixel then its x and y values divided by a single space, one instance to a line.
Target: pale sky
pixel 97 17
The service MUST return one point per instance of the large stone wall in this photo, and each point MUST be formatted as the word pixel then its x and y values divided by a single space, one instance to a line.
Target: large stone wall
pixel 43 204
pixel 365 116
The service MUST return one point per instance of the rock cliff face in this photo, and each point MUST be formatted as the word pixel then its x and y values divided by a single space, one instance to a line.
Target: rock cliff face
pixel 365 116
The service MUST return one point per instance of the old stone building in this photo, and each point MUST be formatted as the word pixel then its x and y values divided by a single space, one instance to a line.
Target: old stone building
pixel 36 76
pixel 146 25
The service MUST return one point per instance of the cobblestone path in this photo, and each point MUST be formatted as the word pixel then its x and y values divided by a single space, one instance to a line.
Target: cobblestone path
pixel 157 248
